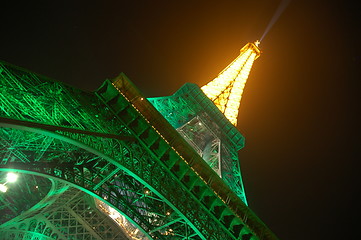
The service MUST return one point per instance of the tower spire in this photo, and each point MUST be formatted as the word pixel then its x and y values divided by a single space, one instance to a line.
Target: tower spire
pixel 227 88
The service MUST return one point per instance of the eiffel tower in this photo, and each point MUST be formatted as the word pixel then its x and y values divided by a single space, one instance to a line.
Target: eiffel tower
pixel 112 164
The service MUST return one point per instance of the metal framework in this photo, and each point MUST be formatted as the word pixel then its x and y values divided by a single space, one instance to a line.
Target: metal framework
pixel 66 213
pixel 23 194
pixel 207 130
pixel 116 147
pixel 227 88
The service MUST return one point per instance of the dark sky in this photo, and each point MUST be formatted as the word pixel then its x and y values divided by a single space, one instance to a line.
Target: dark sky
pixel 300 109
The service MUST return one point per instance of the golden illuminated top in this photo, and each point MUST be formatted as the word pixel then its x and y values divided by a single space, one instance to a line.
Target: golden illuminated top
pixel 227 88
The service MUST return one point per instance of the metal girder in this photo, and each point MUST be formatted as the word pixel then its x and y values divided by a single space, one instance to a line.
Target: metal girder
pixel 53 128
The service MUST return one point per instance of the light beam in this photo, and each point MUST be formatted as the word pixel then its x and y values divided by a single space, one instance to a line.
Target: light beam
pixel 275 17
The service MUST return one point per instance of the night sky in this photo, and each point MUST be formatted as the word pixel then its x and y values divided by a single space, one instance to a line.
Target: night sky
pixel 300 108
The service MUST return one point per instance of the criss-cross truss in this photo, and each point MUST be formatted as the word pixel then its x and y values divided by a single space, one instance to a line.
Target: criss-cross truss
pixel 227 88
pixel 116 147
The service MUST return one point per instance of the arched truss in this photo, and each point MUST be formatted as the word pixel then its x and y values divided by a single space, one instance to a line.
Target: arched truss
pixel 55 156
pixel 64 213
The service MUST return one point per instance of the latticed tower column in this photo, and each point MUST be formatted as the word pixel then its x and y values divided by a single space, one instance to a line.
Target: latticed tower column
pixel 227 88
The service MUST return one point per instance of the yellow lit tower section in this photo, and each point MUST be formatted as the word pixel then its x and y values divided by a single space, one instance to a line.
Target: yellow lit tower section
pixel 226 89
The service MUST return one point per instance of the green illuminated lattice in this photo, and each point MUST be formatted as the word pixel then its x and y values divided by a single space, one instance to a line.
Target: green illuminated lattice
pixel 115 146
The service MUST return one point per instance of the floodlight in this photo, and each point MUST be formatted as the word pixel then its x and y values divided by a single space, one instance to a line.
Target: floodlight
pixel 11 177
pixel 3 188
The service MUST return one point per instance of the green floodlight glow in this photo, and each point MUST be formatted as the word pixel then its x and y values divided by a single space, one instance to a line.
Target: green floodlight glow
pixel 3 188
pixel 11 177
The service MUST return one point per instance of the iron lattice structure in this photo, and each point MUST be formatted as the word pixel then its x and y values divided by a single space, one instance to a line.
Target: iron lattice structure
pixel 226 89
pixel 207 130
pixel 65 213
pixel 114 146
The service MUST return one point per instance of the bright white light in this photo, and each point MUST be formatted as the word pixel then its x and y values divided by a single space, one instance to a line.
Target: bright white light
pixel 3 188
pixel 11 177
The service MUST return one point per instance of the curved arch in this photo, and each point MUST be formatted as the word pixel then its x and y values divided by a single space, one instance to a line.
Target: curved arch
pixel 34 225
pixel 98 190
